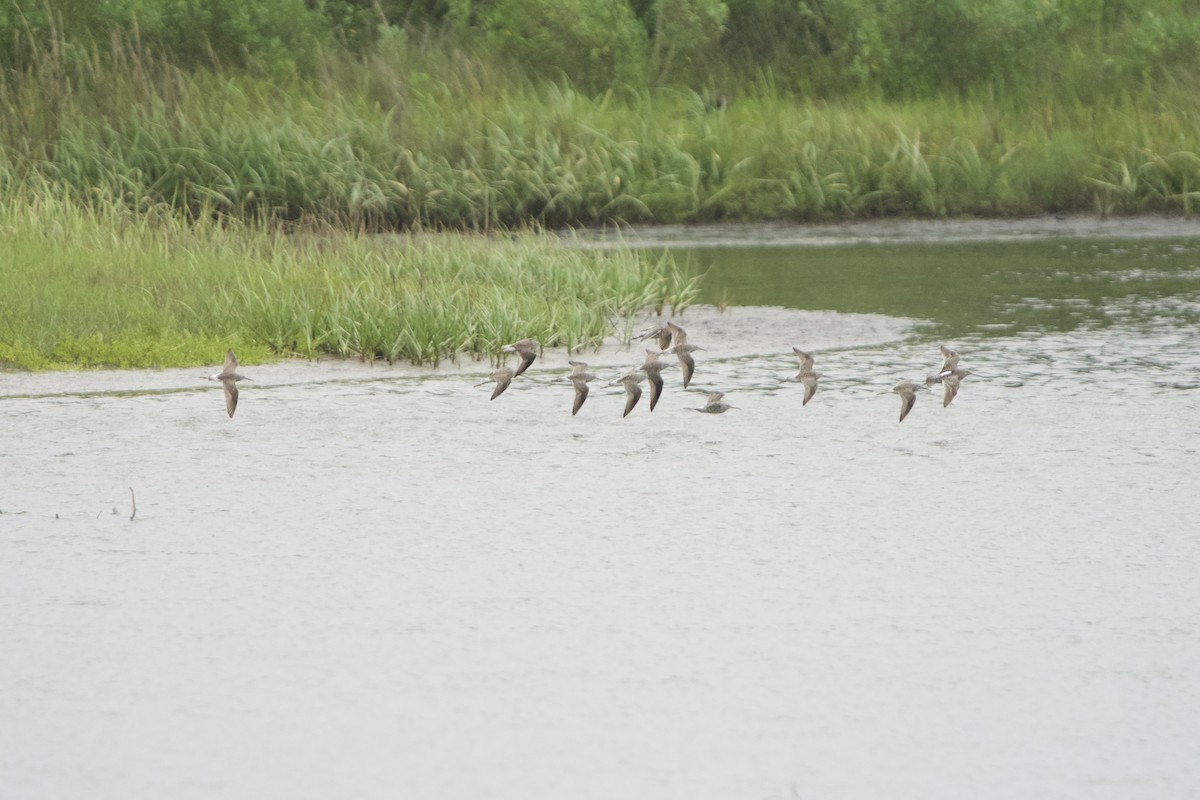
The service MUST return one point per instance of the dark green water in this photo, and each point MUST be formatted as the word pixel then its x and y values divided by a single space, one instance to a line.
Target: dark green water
pixel 963 289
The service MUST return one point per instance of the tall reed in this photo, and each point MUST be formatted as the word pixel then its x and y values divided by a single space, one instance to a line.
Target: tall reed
pixel 403 141
pixel 101 285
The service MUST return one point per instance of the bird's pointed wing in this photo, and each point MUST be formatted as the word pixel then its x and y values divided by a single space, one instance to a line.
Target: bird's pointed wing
pixel 689 366
pixel 527 357
pixel 951 358
pixel 231 394
pixel 503 379
pixel 951 382
pixel 810 387
pixel 634 393
pixel 581 393
pixel 656 386
pixel 230 365
pixel 806 361
pixel 907 400
pixel 680 333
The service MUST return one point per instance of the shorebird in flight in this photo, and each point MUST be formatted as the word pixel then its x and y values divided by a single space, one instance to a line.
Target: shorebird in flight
pixel 807 376
pixel 653 369
pixel 908 396
pixel 950 375
pixel 683 351
pixel 951 379
pixel 579 377
pixel 661 334
pixel 527 349
pixel 503 377
pixel 633 392
pixel 228 376
pixel 715 405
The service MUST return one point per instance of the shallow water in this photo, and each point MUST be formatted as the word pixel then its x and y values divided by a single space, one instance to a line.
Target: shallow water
pixel 373 582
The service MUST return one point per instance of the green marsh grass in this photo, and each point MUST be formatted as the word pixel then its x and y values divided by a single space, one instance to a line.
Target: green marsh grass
pixel 100 285
pixel 411 139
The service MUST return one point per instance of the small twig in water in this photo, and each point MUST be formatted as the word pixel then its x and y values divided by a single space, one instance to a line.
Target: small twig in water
pixel 133 500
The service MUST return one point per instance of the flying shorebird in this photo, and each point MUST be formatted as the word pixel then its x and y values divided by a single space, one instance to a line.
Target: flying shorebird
pixel 527 349
pixel 503 377
pixel 715 404
pixel 908 396
pixel 957 374
pixel 633 392
pixel 950 375
pixel 579 377
pixel 653 369
pixel 683 351
pixel 807 376
pixel 228 376
pixel 662 334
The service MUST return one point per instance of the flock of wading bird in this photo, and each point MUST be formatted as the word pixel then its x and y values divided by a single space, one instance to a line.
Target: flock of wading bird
pixel 950 375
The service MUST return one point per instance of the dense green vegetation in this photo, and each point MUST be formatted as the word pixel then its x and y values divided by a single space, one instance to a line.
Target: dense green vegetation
pixel 105 286
pixel 386 114
pixel 891 48
pixel 174 174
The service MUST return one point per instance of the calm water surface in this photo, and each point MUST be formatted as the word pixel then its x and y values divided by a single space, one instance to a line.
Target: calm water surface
pixel 373 582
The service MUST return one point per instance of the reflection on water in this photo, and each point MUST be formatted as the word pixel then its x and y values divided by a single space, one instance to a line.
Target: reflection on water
pixel 376 582
pixel 958 287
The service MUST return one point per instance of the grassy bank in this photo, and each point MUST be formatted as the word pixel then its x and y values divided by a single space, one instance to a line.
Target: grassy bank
pixel 407 137
pixel 153 154
pixel 103 286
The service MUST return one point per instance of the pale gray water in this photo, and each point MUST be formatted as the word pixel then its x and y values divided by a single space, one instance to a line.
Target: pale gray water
pixel 373 582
